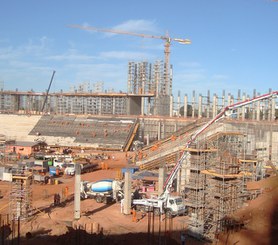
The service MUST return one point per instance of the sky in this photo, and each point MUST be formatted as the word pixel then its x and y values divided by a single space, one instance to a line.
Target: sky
pixel 234 43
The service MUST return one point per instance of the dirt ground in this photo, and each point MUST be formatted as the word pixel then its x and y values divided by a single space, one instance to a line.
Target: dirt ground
pixel 105 224
pixel 50 224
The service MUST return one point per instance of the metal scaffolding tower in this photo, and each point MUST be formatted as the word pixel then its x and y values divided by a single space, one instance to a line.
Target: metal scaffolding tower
pixel 21 196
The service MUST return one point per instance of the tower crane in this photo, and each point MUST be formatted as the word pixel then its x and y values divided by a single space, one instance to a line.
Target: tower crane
pixel 167 42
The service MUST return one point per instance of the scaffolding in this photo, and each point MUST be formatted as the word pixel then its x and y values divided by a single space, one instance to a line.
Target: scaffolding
pixel 216 187
pixel 21 195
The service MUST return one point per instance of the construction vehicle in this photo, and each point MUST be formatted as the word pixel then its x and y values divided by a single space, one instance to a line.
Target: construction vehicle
pixel 85 168
pixel 103 191
pixel 171 205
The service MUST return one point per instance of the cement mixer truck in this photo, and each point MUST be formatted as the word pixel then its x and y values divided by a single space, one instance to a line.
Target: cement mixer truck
pixel 103 191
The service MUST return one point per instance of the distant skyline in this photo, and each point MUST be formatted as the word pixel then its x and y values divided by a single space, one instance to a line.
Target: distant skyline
pixel 234 43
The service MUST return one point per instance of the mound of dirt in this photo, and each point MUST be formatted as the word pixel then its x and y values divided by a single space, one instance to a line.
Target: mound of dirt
pixel 259 217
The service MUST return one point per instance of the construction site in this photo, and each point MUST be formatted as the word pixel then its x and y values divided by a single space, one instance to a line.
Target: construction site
pixel 219 154
pixel 194 169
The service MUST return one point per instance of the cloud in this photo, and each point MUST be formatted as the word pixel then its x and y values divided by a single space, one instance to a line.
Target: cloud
pixel 219 77
pixel 70 55
pixel 138 26
pixel 126 55
pixel 36 47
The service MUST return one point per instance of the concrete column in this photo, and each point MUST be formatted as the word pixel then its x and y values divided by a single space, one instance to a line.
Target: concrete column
pixel 161 179
pixel 149 106
pixel 148 139
pixel 208 104
pixel 163 129
pixel 185 106
pixel 254 106
pixel 100 105
pixel 200 106
pixel 229 99
pixel 171 106
pixel 232 100
pixel 243 108
pixel 193 104
pixel 142 106
pixel 223 99
pixel 114 106
pixel 214 106
pixel 127 193
pixel 238 99
pixel 269 109
pixel 258 114
pixel 77 191
pixel 159 131
pixel 263 109
pixel 272 109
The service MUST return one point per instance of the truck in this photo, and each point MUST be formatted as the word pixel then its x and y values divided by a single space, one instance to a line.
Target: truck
pixel 171 205
pixel 85 168
pixel 103 191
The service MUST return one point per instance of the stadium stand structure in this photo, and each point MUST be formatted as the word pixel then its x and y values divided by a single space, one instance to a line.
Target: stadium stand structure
pixel 110 133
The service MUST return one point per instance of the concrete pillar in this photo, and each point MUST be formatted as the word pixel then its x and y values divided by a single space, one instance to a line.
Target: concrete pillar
pixel 232 100
pixel 263 109
pixel 223 99
pixel 214 106
pixel 238 100
pixel 193 104
pixel 100 105
pixel 159 131
pixel 149 106
pixel 208 104
pixel 229 99
pixel 163 129
pixel 200 106
pixel 269 109
pixel 127 193
pixel 254 106
pixel 148 139
pixel 272 109
pixel 142 106
pixel 185 106
pixel 171 105
pixel 114 106
pixel 243 108
pixel 161 179
pixel 258 114
pixel 77 191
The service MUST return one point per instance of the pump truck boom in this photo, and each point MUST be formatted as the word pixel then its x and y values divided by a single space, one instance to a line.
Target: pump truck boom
pixel 170 205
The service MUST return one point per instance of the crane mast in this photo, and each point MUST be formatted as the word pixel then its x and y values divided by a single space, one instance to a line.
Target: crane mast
pixel 167 43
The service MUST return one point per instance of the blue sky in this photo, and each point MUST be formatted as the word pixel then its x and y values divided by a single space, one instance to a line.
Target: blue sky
pixel 234 43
